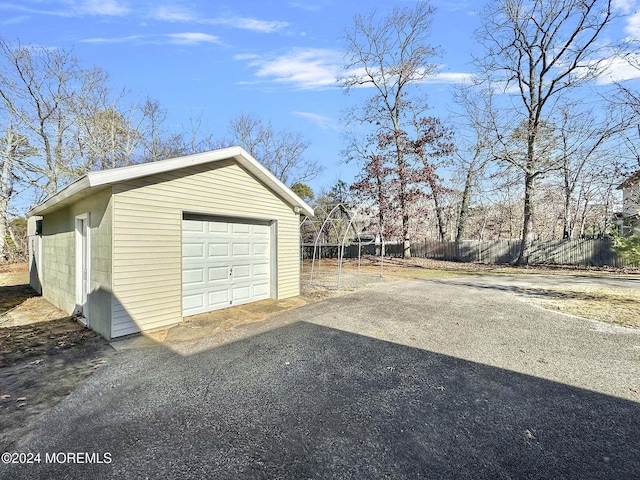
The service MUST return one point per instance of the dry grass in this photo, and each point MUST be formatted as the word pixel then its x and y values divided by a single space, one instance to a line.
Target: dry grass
pixel 370 271
pixel 619 306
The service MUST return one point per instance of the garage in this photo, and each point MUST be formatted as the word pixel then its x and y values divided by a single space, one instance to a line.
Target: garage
pixel 139 248
pixel 225 262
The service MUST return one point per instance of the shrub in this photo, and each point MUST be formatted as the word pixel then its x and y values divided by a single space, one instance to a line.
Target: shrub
pixel 627 246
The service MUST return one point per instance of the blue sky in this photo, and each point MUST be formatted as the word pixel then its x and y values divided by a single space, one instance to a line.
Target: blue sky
pixel 275 59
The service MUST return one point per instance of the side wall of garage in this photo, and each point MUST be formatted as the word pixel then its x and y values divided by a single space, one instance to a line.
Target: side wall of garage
pixel 147 258
pixel 58 258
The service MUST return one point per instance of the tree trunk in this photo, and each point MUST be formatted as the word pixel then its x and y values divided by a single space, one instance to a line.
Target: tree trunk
pixel 567 230
pixel 529 184
pixel 5 186
pixel 527 225
pixel 583 217
pixel 402 198
pixel 464 207
pixel 406 241
pixel 436 201
pixel 406 249
pixel 567 223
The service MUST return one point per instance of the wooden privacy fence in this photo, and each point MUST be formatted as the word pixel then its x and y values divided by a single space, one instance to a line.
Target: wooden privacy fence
pixel 332 250
pixel 592 252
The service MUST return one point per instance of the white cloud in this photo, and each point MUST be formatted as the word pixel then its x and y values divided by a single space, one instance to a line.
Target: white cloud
pixel 619 70
pixel 436 78
pixel 303 68
pixel 321 121
pixel 33 11
pixel 14 20
pixel 632 28
pixel 629 9
pixel 624 6
pixel 186 38
pixel 247 56
pixel 306 5
pixel 455 6
pixel 102 7
pixel 172 13
pixel 74 8
pixel 252 24
pixel 192 38
pixel 127 39
pixel 449 77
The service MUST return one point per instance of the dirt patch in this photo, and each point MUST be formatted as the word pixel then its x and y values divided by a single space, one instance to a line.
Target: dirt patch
pixel 44 356
pixel 224 322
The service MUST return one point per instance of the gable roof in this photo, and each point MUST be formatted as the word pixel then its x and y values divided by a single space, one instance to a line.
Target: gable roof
pixel 100 179
pixel 630 180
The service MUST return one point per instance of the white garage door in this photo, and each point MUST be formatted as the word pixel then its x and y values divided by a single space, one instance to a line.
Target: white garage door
pixel 224 264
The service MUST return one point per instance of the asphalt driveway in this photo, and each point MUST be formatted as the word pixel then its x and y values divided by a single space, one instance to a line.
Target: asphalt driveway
pixel 418 379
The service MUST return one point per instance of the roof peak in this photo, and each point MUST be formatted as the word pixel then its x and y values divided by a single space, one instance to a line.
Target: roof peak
pixel 100 178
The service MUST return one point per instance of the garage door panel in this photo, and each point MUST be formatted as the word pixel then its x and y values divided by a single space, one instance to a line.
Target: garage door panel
pixel 260 290
pixel 218 299
pixel 261 230
pixel 240 228
pixel 193 250
pixel 193 301
pixel 216 227
pixel 217 250
pixel 241 249
pixel 241 272
pixel 260 269
pixel 241 294
pixel 193 226
pixel 193 276
pixel 261 249
pixel 218 274
pixel 212 250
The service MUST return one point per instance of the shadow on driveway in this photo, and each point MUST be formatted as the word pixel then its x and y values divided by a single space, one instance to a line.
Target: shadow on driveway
pixel 306 401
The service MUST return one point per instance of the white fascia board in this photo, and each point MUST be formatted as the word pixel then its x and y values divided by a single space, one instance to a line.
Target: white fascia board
pixel 73 188
pixel 109 177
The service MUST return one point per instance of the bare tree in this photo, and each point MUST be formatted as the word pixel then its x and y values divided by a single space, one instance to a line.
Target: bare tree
pixel 158 144
pixel 59 119
pixel 539 50
pixel 474 153
pixel 371 185
pixel 281 151
pixel 590 146
pixel 116 132
pixel 42 88
pixel 108 140
pixel 197 138
pixel 13 149
pixel 392 56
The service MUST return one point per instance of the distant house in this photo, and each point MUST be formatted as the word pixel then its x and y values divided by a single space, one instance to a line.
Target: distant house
pixel 140 247
pixel 630 214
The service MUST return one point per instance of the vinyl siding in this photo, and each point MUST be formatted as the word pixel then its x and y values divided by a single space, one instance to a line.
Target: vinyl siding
pixel 58 256
pixel 147 237
pixel 631 200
